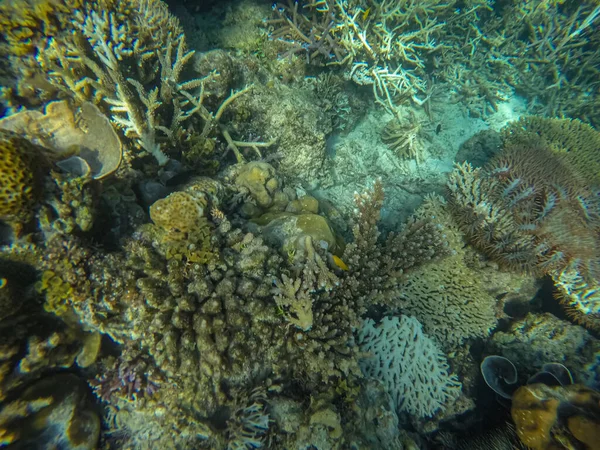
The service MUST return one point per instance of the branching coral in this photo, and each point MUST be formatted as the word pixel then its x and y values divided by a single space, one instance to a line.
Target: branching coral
pixel 544 50
pixel 129 57
pixel 409 364
pixel 382 44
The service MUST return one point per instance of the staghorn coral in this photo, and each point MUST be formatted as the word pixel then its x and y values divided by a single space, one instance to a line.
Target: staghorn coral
pixel 409 364
pixel 545 51
pixel 129 58
pixel 383 45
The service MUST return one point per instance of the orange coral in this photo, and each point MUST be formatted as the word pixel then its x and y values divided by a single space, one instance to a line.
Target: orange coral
pixel 557 417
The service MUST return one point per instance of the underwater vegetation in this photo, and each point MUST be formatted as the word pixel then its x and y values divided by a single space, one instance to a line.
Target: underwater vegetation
pixel 184 264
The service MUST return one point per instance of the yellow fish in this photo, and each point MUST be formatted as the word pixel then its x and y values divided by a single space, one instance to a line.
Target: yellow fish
pixel 338 262
pixel 365 14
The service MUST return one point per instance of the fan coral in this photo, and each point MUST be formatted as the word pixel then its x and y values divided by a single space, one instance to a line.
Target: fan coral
pixel 412 368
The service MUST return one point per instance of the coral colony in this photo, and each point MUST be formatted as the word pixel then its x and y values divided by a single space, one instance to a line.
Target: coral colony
pixel 319 224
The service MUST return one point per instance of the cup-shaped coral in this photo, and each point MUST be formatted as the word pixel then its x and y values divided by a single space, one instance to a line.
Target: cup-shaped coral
pixel 499 374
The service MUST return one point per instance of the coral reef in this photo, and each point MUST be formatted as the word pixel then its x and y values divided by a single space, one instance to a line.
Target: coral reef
pixel 56 411
pixel 548 417
pixel 413 370
pixel 531 208
pixel 538 339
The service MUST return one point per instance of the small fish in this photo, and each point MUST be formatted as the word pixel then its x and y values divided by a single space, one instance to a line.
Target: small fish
pixel 438 129
pixel 366 13
pixel 3 282
pixel 338 262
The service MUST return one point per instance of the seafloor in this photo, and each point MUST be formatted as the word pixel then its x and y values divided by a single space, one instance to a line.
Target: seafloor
pixel 323 224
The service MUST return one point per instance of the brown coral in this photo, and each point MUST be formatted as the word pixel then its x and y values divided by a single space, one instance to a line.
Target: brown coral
pixel 21 163
pixel 554 417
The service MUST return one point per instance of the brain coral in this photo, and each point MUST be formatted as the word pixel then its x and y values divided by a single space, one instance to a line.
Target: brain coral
pixel 409 364
pixel 20 162
pixel 450 301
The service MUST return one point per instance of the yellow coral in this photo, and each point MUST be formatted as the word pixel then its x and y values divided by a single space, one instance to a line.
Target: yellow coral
pixel 178 214
pixel 20 163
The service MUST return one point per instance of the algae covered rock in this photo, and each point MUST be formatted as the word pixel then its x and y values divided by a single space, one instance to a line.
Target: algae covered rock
pixel 538 339
pixel 259 180
pixel 55 412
